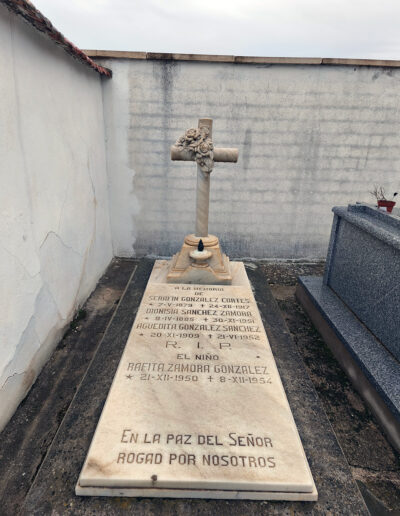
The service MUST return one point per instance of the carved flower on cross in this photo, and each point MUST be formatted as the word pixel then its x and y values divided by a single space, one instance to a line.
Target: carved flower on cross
pixel 205 147
pixel 198 141
pixel 191 134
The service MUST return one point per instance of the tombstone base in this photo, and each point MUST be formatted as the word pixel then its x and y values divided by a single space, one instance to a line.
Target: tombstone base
pixel 184 269
pixel 212 494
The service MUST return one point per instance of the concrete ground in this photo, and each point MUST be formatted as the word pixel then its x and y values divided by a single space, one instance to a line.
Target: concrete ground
pixel 26 439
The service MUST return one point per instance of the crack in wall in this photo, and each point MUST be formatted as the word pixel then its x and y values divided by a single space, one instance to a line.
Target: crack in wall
pixel 62 242
pixel 63 275
pixel 17 259
pixel 39 319
pixel 9 378
pixel 20 347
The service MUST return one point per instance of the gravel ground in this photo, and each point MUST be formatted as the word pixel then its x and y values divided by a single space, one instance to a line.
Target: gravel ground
pixel 375 464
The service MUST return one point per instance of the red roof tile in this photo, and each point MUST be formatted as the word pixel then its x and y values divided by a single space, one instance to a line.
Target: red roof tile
pixel 33 16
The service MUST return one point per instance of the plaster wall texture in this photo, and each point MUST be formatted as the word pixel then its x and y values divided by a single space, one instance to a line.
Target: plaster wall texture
pixel 55 239
pixel 309 138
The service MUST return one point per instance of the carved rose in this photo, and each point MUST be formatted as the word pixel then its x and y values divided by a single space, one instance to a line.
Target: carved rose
pixel 205 147
pixel 201 146
pixel 191 134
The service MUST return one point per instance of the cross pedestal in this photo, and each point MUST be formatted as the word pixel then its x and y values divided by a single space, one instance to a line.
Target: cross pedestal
pixel 197 146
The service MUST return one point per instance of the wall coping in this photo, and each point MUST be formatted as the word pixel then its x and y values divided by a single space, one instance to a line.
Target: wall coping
pixel 34 17
pixel 121 54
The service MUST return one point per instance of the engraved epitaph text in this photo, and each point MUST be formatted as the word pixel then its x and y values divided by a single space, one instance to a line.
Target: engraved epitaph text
pixel 197 402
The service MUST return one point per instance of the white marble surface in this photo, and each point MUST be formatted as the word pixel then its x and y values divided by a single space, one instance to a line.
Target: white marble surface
pixel 197 408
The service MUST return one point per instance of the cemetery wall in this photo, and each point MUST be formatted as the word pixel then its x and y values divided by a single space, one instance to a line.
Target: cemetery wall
pixel 310 136
pixel 54 224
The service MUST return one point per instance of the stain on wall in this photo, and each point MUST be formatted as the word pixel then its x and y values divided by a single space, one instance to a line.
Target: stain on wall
pixel 309 137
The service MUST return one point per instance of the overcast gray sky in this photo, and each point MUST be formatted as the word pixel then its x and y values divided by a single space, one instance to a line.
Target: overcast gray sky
pixel 304 28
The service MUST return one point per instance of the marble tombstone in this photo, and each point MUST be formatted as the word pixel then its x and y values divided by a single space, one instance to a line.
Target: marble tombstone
pixel 197 407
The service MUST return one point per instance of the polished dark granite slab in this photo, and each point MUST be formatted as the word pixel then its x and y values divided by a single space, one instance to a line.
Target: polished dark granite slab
pixel 379 366
pixel 363 269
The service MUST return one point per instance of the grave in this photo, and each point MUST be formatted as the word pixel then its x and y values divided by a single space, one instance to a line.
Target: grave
pixel 197 408
pixel 53 487
pixel 355 306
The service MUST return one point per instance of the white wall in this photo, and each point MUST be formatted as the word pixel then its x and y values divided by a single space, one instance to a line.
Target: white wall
pixel 55 238
pixel 309 137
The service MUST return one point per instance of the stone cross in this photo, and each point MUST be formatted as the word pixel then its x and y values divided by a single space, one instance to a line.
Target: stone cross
pixel 196 145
